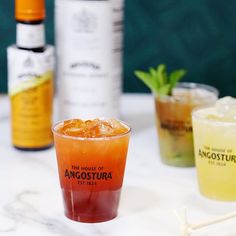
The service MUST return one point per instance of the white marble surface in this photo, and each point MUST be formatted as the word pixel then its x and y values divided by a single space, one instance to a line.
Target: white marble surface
pixel 30 197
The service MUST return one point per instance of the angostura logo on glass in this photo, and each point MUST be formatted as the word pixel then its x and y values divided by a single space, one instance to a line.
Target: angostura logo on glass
pixel 176 126
pixel 84 21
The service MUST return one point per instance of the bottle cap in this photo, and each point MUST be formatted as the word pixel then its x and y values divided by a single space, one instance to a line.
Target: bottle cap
pixel 29 10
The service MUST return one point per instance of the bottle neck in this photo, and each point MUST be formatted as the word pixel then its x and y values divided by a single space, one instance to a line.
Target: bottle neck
pixel 30 35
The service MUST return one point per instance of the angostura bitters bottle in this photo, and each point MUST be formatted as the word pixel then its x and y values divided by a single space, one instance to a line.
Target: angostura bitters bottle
pixel 30 78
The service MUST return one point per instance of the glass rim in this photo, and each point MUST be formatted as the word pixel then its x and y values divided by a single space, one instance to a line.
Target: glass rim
pixel 191 85
pixel 205 120
pixel 55 132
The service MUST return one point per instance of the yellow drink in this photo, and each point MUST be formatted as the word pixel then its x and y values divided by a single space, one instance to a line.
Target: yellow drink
pixel 214 131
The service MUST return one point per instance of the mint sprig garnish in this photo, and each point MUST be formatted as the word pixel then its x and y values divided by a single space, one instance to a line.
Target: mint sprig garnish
pixel 158 79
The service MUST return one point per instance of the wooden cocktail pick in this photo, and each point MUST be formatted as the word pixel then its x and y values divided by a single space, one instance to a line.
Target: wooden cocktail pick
pixel 187 229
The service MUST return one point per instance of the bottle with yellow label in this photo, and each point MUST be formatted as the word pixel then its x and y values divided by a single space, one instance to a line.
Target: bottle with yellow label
pixel 30 78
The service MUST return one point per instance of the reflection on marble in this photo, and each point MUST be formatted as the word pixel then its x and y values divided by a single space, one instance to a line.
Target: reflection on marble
pixel 20 211
pixel 31 204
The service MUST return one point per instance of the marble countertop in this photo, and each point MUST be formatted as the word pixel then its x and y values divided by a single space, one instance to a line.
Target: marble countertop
pixel 30 197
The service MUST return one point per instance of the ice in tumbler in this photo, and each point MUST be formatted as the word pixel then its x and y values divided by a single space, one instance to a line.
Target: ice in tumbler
pixel 214 131
pixel 91 157
pixel 174 123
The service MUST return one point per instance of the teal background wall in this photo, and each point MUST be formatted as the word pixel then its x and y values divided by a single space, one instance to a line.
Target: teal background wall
pixel 199 35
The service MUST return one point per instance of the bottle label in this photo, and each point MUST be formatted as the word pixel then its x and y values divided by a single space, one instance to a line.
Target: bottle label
pixel 30 87
pixel 30 36
pixel 89 43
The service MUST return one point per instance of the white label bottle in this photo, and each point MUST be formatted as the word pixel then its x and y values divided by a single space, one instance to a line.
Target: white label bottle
pixel 30 79
pixel 89 57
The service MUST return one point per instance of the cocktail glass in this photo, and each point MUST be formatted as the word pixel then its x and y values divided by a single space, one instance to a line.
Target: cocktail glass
pixel 91 171
pixel 214 130
pixel 174 125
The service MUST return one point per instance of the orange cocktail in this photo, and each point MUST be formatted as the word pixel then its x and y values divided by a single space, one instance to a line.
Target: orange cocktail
pixel 91 159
